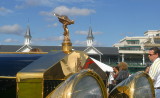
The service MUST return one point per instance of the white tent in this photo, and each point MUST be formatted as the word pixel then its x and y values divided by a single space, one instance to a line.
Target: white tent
pixel 104 67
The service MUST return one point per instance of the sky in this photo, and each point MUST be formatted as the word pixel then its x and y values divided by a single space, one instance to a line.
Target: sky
pixel 110 20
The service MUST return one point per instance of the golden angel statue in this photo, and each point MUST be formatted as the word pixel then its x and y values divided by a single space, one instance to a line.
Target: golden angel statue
pixel 65 21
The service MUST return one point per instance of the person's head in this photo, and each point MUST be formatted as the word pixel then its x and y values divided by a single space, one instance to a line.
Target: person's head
pixel 153 53
pixel 122 65
pixel 35 50
pixel 115 68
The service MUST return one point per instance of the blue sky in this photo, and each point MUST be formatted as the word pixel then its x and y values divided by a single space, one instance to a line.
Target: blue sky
pixel 111 20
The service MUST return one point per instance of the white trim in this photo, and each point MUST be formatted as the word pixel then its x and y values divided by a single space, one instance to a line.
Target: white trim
pixel 24 47
pixel 94 49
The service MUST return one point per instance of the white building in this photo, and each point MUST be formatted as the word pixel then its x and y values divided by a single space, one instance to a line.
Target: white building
pixel 27 41
pixel 133 50
pixel 91 50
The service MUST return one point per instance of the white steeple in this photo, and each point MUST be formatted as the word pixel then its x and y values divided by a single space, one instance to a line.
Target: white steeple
pixel 26 47
pixel 90 38
pixel 27 36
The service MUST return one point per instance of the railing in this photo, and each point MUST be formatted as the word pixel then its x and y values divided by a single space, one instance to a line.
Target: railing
pixel 129 64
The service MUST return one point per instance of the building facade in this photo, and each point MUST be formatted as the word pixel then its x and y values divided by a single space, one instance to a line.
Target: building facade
pixel 134 50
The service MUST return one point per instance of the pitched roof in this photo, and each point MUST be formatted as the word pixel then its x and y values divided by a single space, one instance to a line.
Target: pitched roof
pixel 94 49
pixel 23 48
pixel 104 50
pixel 90 35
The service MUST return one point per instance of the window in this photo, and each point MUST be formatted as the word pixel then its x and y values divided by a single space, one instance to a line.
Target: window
pixel 133 41
pixel 130 48
pixel 157 41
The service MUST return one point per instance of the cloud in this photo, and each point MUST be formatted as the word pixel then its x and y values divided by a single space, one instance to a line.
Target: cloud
pixel 79 43
pixel 48 39
pixel 86 33
pixel 52 25
pixel 29 3
pixel 39 2
pixel 84 43
pixel 9 40
pixel 49 3
pixel 50 19
pixel 4 11
pixel 11 29
pixel 76 1
pixel 20 6
pixel 82 32
pixel 96 33
pixel 97 44
pixel 63 10
pixel 44 13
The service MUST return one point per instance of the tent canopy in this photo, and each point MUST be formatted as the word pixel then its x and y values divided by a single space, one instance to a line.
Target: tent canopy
pixel 104 67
